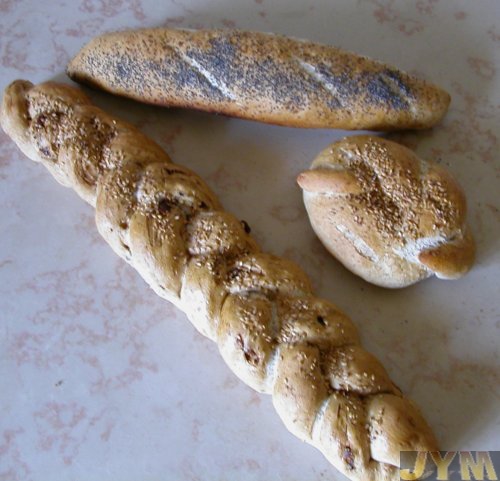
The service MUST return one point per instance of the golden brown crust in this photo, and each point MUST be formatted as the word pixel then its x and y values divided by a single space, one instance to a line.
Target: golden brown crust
pixel 259 76
pixel 451 260
pixel 322 181
pixel 399 220
pixel 270 328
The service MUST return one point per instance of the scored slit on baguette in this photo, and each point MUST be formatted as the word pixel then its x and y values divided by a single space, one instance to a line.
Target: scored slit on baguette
pixel 259 76
pixel 270 328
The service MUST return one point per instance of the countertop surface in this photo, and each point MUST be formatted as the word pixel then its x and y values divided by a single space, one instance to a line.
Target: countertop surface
pixel 103 380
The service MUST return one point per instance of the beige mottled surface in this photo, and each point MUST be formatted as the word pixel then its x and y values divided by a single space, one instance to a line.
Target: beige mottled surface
pixel 105 380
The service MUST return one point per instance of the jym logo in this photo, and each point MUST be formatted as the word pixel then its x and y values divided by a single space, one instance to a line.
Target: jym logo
pixel 449 465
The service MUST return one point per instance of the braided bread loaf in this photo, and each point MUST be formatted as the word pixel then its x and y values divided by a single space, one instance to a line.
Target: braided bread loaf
pixel 271 330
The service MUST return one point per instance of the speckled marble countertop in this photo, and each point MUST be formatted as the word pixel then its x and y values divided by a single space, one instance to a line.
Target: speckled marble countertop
pixel 102 380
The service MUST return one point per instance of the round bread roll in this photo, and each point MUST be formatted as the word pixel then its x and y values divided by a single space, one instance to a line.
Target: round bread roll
pixel 387 215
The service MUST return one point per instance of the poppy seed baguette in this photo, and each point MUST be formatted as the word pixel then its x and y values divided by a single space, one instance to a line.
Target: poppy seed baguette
pixel 259 76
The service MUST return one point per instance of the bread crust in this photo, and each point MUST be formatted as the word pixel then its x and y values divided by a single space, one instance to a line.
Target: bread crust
pixel 258 76
pixel 400 219
pixel 271 330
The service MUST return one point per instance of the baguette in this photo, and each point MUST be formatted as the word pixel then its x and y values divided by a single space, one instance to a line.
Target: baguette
pixel 387 215
pixel 270 328
pixel 258 76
